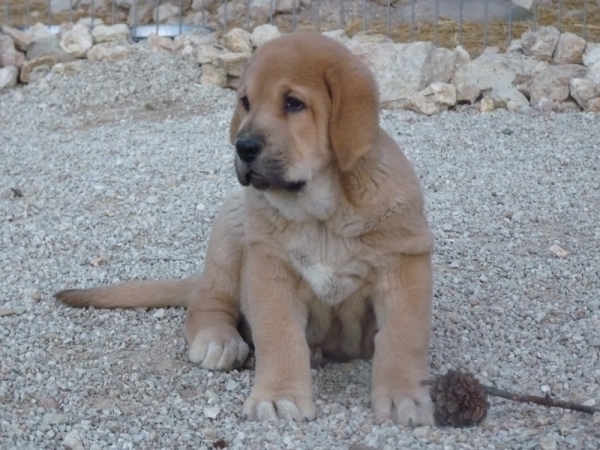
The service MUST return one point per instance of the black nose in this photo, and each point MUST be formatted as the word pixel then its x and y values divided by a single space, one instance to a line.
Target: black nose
pixel 248 149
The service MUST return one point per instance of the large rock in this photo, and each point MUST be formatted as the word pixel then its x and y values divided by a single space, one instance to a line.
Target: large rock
pixel 230 12
pixel 40 31
pixel 195 38
pixel 591 54
pixel 435 98
pixel 206 54
pixel 593 105
pixel 404 69
pixel 21 39
pixel 167 13
pixel 541 43
pixel 213 75
pixel 111 33
pixel 492 70
pixel 109 51
pixel 503 95
pixel 77 41
pixel 48 46
pixel 237 40
pixel 234 63
pixel 553 83
pixel 8 77
pixel 41 65
pixel 9 55
pixel 260 10
pixel 467 93
pixel 160 42
pixel 462 56
pixel 593 74
pixel 140 14
pixel 569 49
pixel 264 33
pixel 582 90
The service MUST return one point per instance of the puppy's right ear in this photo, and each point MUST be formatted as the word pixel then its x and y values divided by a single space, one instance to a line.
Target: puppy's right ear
pixel 234 124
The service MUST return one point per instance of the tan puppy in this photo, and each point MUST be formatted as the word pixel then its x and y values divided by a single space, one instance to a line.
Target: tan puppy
pixel 326 249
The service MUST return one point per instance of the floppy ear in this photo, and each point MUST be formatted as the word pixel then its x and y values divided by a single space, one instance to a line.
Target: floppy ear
pixel 234 124
pixel 354 120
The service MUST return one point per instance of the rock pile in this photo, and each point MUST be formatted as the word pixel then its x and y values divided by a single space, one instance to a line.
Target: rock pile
pixel 546 70
pixel 187 12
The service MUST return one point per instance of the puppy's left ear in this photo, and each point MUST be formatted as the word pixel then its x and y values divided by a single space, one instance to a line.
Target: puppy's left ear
pixel 354 120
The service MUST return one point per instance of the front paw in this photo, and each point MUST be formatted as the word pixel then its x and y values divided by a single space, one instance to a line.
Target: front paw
pixel 405 407
pixel 218 348
pixel 294 404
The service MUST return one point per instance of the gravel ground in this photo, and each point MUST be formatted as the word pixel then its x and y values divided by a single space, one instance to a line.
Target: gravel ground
pixel 121 168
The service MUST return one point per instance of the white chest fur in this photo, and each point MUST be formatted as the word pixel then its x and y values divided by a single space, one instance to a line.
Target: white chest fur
pixel 328 264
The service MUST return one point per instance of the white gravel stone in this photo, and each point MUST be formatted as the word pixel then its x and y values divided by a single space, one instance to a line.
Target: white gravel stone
pixel 159 314
pixel 73 441
pixel 211 412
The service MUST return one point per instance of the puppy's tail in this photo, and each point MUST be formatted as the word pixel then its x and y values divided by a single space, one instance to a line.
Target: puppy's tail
pixel 133 294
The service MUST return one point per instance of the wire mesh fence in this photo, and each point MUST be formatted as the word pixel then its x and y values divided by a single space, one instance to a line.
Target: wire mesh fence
pixel 474 24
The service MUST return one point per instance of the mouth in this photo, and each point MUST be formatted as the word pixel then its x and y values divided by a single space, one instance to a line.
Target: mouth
pixel 263 183
pixel 257 181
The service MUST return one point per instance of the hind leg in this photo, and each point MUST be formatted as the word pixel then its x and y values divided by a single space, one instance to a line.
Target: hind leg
pixel 214 308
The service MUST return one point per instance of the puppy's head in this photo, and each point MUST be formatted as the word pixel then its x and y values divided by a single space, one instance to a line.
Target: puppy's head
pixel 305 102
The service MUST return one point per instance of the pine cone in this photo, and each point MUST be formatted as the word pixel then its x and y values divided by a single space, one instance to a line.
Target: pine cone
pixel 459 399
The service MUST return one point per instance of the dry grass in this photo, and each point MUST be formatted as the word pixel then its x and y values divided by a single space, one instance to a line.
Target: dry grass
pixel 446 33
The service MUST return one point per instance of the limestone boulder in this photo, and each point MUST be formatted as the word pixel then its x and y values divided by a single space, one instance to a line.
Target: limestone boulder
pixel 264 33
pixel 237 40
pixel 541 43
pixel 569 49
pixel 553 82
pixel 9 55
pixel 491 70
pixel 111 33
pixel 593 74
pixel 48 46
pixel 503 95
pixel 591 53
pixel 404 69
pixel 109 51
pixel 435 98
pixel 8 77
pixel 582 90
pixel 21 39
pixel 233 63
pixel 39 66
pixel 77 41
pixel 213 75
pixel 208 53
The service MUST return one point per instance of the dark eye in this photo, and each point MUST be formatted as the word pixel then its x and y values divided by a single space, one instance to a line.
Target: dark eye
pixel 292 104
pixel 245 103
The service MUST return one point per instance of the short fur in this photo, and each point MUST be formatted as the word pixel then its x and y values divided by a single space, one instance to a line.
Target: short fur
pixel 327 249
